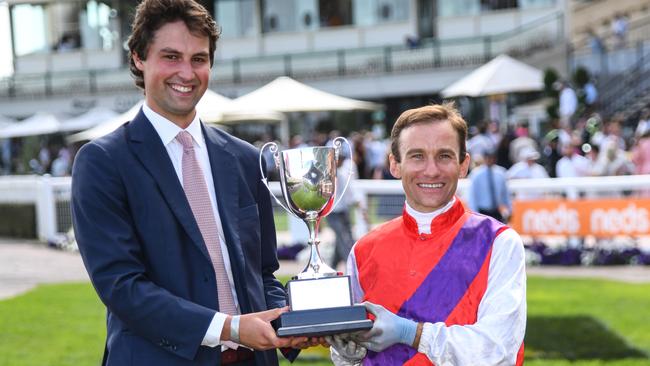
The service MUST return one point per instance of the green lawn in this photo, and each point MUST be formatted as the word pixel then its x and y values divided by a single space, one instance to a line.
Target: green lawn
pixel 571 322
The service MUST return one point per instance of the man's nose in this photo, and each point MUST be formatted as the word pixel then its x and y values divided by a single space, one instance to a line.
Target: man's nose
pixel 430 167
pixel 185 70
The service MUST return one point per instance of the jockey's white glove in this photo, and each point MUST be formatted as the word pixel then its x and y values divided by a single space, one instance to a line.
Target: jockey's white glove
pixel 387 329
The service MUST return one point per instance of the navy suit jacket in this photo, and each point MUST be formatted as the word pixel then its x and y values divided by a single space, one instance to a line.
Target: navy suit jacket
pixel 145 254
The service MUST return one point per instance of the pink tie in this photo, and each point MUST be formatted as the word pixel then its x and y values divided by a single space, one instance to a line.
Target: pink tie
pixel 196 191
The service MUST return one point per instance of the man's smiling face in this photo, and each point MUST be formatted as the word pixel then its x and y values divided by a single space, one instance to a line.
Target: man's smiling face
pixel 176 72
pixel 430 164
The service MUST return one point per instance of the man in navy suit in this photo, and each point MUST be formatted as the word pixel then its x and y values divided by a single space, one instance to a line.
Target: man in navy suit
pixel 146 250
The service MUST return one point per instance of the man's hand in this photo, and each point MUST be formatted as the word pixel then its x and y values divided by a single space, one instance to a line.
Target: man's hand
pixel 387 329
pixel 255 331
pixel 345 351
pixel 312 342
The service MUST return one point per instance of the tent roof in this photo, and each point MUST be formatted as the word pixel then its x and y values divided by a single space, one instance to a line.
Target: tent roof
pixel 287 95
pixel 215 108
pixel 87 120
pixel 106 127
pixel 4 121
pixel 501 75
pixel 38 124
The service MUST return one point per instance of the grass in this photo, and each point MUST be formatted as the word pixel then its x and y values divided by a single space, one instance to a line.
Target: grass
pixel 53 325
pixel 571 322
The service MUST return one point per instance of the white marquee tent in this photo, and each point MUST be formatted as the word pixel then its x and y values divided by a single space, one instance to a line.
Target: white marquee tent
pixel 38 124
pixel 87 120
pixel 106 127
pixel 287 95
pixel 4 121
pixel 500 76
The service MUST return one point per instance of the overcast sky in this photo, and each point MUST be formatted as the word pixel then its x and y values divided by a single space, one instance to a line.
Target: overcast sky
pixel 5 41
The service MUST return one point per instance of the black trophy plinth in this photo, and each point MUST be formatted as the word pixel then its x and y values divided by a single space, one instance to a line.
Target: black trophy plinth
pixel 321 306
pixel 322 322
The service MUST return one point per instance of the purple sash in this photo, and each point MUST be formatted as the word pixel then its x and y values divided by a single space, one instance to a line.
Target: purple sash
pixel 445 285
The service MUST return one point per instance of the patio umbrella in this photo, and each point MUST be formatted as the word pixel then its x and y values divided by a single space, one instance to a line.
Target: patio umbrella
pixel 500 76
pixel 87 120
pixel 38 124
pixel 285 94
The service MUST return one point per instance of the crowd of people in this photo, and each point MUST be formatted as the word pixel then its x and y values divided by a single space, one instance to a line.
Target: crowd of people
pixel 54 159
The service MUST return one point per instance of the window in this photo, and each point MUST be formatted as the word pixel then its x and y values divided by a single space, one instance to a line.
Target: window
pixel 29 29
pixel 372 12
pixel 335 13
pixel 533 4
pixel 63 27
pixel 279 16
pixel 458 8
pixel 489 5
pixel 95 28
pixel 235 17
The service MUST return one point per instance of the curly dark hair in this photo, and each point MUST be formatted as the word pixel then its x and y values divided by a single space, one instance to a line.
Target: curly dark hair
pixel 429 114
pixel 151 15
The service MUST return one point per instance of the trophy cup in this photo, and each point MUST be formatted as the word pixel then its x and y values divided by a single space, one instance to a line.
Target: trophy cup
pixel 320 298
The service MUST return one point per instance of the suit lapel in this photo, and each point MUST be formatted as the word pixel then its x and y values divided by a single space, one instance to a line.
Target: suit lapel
pixel 225 174
pixel 149 149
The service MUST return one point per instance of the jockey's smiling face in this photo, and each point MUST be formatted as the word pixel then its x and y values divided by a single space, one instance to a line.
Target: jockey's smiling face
pixel 430 164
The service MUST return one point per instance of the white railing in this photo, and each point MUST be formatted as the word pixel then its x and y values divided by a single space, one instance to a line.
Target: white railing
pixel 51 196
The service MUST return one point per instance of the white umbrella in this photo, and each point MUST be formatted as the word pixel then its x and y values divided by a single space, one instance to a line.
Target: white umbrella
pixel 215 108
pixel 4 121
pixel 287 95
pixel 38 124
pixel 501 75
pixel 106 127
pixel 87 120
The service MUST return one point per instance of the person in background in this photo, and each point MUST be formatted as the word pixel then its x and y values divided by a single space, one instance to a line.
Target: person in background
pixel 641 158
pixel 573 164
pixel 522 141
pixel 595 42
pixel 643 125
pixel 488 192
pixel 444 285
pixel 173 222
pixel 620 25
pixel 339 218
pixel 568 105
pixel 527 168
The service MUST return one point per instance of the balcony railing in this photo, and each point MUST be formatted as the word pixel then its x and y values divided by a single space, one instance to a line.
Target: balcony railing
pixel 430 54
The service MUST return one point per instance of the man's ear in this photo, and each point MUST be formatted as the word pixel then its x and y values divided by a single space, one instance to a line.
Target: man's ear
pixel 464 166
pixel 139 64
pixel 395 169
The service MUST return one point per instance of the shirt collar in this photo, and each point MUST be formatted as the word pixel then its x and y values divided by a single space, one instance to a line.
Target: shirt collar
pixel 441 219
pixel 421 217
pixel 167 130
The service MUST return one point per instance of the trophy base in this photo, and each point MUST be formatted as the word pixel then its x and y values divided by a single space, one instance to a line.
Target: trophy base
pixel 322 322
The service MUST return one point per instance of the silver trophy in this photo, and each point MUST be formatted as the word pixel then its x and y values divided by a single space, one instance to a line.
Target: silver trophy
pixel 320 298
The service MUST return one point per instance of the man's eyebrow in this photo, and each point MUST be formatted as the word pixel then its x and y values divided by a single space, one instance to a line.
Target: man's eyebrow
pixel 176 52
pixel 414 150
pixel 169 50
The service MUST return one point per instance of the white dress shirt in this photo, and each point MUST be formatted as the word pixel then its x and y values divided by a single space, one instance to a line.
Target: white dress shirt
pixel 167 131
pixel 500 325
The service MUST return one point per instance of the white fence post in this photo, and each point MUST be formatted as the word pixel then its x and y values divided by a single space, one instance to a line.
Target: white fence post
pixel 45 209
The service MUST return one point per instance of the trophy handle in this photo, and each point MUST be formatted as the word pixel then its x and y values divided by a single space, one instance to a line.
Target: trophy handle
pixel 276 156
pixel 337 146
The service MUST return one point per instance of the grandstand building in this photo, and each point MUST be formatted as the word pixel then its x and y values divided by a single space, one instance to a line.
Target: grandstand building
pixel 69 55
